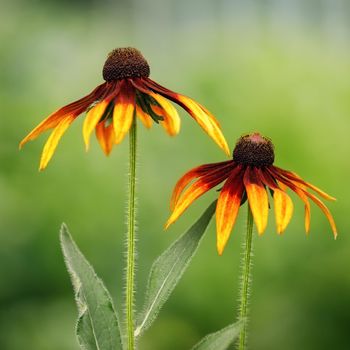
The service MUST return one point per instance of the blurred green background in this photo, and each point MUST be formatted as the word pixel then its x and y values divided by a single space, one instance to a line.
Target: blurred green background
pixel 278 67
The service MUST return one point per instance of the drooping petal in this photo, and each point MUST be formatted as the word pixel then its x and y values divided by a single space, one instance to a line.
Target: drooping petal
pixel 123 112
pixel 227 207
pixel 168 123
pixel 53 140
pixel 95 114
pixel 325 210
pixel 257 198
pixel 285 182
pixel 196 172
pixel 144 117
pixel 209 124
pixel 105 136
pixel 205 121
pixel 296 178
pixel 307 215
pixel 283 209
pixel 172 120
pixel 92 119
pixel 197 189
pixel 282 202
pixel 72 109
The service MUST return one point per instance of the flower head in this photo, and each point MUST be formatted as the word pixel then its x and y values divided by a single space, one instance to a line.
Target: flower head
pixel 111 107
pixel 249 175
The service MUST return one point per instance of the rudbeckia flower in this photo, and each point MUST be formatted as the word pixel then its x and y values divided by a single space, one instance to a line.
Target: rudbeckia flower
pixel 249 175
pixel 112 106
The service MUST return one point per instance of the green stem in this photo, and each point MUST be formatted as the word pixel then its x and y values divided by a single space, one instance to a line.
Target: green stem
pixel 131 239
pixel 245 280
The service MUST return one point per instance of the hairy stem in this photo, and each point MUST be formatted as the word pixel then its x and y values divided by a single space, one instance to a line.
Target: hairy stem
pixel 245 280
pixel 131 239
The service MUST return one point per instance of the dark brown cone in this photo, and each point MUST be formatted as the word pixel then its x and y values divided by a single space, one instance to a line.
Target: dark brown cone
pixel 124 63
pixel 254 150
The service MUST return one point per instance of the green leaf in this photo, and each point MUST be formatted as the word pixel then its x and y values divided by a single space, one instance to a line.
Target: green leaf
pixel 220 340
pixel 167 270
pixel 97 327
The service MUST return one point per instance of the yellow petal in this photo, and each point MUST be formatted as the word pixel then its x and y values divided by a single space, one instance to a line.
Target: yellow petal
pixel 172 120
pixel 283 209
pixel 72 109
pixel 227 209
pixel 105 136
pixel 167 121
pixel 295 187
pixel 296 178
pixel 123 113
pixel 194 191
pixel 208 170
pixel 92 118
pixel 191 194
pixel 50 122
pixel 283 203
pixel 206 120
pixel 307 215
pixel 325 210
pixel 257 198
pixel 53 140
pixel 209 125
pixel 144 117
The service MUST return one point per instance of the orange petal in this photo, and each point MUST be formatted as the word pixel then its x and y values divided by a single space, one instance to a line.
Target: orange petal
pixel 72 109
pixel 123 113
pixel 92 118
pixel 325 211
pixel 227 208
pixel 198 188
pixel 51 122
pixel 307 214
pixel 105 136
pixel 209 125
pixel 296 178
pixel 206 169
pixel 172 120
pixel 144 117
pixel 53 140
pixel 257 198
pixel 199 113
pixel 167 121
pixel 283 209
pixel 285 182
pixel 282 203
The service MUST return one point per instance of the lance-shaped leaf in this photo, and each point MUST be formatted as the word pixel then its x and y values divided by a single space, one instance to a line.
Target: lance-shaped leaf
pixel 220 340
pixel 97 327
pixel 167 270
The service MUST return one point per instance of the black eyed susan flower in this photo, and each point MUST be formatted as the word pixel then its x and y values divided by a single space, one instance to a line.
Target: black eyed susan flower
pixel 111 107
pixel 248 176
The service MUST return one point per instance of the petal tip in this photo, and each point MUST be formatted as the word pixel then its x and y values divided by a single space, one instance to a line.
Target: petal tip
pixel 220 249
pixel 227 150
pixel 42 167
pixel 167 224
pixel 260 232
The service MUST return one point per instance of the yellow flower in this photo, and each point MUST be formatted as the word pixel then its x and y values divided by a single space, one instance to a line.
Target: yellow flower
pixel 127 92
pixel 248 176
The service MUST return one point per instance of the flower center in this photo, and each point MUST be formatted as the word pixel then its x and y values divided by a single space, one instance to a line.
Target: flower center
pixel 255 150
pixel 125 63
